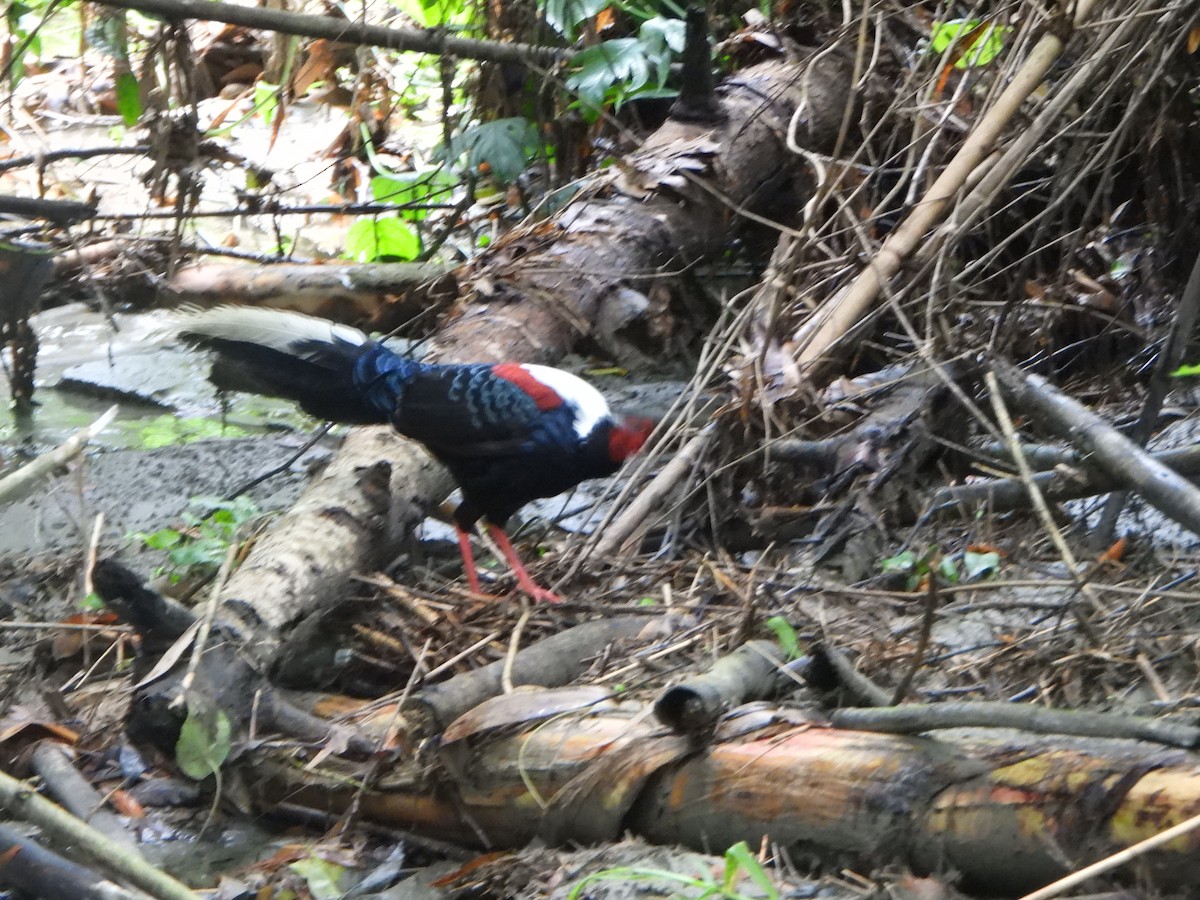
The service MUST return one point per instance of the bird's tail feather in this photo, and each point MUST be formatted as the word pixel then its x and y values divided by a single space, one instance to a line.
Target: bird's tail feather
pixel 334 372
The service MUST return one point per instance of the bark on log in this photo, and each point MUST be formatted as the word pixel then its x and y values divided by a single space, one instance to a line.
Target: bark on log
pixel 1008 810
pixel 551 662
pixel 379 297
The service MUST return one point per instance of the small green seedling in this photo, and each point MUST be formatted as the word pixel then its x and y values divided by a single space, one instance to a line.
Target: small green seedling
pixel 198 547
pixel 970 565
pixel 739 861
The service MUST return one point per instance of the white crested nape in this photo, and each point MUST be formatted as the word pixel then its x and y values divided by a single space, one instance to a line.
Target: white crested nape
pixel 591 407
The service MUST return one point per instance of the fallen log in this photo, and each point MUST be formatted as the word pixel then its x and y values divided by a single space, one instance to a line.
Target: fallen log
pixel 378 297
pixel 1007 810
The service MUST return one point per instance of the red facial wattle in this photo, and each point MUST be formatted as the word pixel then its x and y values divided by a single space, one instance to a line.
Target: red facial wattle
pixel 628 437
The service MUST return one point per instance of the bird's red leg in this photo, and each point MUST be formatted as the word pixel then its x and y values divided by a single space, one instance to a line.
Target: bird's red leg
pixel 464 547
pixel 524 581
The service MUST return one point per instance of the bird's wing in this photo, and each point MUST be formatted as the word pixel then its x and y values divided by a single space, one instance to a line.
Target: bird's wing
pixel 467 411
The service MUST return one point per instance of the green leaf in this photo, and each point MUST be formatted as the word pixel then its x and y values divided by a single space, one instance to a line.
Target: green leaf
pixel 564 15
pixel 671 32
pixel 786 635
pixel 432 13
pixel 266 100
pixel 622 61
pixel 900 563
pixel 505 145
pixel 204 743
pixel 948 569
pixel 738 857
pixel 412 189
pixel 662 39
pixel 977 565
pixel 163 539
pixel 321 877
pixel 92 602
pixel 380 239
pixel 129 98
pixel 985 46
pixel 1186 370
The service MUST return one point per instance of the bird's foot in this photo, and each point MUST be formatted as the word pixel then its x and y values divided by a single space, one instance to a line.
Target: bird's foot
pixel 539 594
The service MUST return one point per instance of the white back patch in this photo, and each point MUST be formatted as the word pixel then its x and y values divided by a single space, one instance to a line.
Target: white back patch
pixel 590 406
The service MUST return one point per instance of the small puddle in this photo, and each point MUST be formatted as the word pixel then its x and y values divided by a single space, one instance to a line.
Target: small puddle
pixel 84 367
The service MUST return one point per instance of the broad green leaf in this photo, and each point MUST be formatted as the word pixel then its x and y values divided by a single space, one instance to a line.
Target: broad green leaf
pixel 413 188
pixel 505 145
pixel 93 602
pixel 564 15
pixel 671 32
pixel 598 68
pixel 663 40
pixel 380 239
pixel 948 569
pixel 162 539
pixel 204 743
pixel 901 562
pixel 129 98
pixel 985 46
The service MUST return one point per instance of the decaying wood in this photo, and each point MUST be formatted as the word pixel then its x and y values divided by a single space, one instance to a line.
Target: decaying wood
pixel 53 763
pixel 379 297
pixel 754 671
pixel 37 872
pixel 867 470
pixel 551 662
pixel 1067 482
pixel 1102 447
pixel 344 522
pixel 540 289
pixel 968 801
pixel 916 718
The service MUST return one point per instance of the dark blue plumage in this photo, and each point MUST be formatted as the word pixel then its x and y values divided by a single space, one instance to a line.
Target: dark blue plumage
pixel 509 433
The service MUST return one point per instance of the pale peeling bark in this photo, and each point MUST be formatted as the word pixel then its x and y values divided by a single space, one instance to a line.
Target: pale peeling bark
pixel 380 296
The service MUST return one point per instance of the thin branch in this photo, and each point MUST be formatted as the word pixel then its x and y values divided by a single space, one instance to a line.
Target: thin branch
pixel 1117 859
pixel 424 40
pixel 20 482
pixel 22 802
